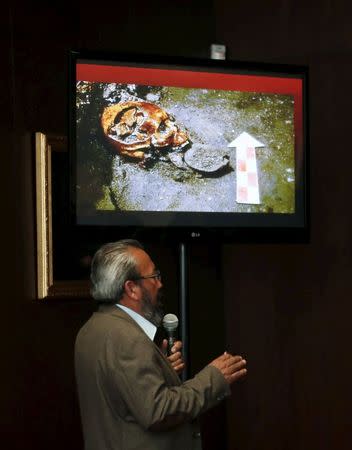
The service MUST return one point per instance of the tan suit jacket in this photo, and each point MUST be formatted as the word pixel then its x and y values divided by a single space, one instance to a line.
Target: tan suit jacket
pixel 130 396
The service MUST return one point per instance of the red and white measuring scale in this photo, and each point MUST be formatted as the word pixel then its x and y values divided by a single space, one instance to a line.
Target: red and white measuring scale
pixel 247 189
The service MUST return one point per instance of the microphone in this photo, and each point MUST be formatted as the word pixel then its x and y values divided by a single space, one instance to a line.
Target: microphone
pixel 170 324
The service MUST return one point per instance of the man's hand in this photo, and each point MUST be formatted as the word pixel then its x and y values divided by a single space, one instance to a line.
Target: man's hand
pixel 232 367
pixel 175 358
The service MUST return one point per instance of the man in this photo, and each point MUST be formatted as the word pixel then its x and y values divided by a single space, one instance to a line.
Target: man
pixel 130 394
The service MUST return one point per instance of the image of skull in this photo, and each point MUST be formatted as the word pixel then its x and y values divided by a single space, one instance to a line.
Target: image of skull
pixel 134 128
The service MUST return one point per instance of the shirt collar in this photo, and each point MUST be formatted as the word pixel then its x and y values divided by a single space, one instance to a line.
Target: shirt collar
pixel 147 327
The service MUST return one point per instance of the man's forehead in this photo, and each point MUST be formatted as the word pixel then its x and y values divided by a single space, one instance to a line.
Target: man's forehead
pixel 143 259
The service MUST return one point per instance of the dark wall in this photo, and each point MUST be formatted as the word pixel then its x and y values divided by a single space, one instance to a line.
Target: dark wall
pixel 287 307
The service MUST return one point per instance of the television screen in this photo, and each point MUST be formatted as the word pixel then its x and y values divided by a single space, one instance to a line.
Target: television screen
pixel 188 146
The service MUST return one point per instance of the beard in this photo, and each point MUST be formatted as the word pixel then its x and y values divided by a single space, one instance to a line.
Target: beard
pixel 153 313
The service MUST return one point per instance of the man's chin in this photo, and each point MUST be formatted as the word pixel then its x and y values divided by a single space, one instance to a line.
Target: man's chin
pixel 157 316
pixel 153 313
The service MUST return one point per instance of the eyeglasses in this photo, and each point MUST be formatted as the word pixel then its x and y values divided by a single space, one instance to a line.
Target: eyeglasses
pixel 156 275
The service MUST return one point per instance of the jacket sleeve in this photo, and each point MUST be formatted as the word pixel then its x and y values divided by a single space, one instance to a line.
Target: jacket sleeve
pixel 135 369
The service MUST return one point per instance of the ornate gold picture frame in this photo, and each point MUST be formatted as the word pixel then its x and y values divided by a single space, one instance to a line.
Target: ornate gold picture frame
pixel 47 285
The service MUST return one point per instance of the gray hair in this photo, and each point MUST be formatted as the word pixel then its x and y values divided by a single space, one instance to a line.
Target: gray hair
pixel 112 265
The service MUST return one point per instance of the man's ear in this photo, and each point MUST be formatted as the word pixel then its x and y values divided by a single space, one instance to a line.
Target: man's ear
pixel 130 288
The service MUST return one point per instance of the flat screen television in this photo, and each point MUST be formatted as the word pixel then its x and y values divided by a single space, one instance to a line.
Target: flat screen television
pixel 190 149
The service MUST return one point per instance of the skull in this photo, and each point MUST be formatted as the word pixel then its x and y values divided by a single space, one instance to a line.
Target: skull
pixel 133 128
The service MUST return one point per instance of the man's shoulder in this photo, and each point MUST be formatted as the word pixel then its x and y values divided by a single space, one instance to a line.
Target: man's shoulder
pixel 111 321
pixel 110 337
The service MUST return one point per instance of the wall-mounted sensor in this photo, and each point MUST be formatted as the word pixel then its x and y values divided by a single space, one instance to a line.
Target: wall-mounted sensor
pixel 218 51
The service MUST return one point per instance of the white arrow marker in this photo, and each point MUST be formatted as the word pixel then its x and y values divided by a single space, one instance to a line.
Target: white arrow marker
pixel 246 169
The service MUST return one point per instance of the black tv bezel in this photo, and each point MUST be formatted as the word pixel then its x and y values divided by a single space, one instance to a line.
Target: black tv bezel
pixel 297 229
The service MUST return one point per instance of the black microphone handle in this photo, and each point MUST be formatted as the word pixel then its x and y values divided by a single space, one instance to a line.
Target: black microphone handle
pixel 171 339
